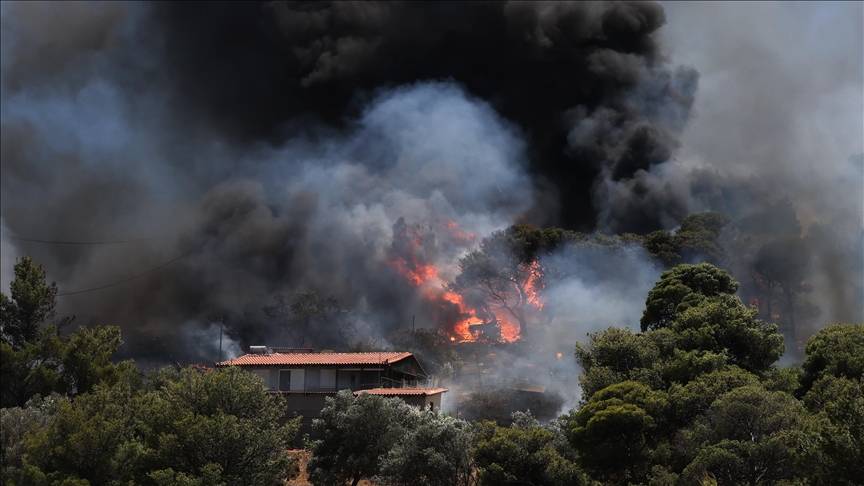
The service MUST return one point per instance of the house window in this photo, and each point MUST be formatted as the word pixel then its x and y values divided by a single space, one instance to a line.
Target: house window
pixel 298 380
pixel 328 379
pixel 284 380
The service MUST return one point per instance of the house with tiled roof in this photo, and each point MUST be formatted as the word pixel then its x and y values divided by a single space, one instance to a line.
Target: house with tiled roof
pixel 306 377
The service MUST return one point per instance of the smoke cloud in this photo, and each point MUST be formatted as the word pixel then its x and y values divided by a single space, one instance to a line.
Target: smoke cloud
pixel 776 144
pixel 216 156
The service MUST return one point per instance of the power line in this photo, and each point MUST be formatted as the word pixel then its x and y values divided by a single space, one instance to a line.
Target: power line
pixel 125 280
pixel 67 242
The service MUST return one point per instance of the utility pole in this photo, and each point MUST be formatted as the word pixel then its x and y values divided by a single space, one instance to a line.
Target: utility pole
pixel 221 327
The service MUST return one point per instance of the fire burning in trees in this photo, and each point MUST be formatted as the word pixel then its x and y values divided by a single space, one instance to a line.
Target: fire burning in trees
pixel 412 256
pixel 462 327
pixel 531 283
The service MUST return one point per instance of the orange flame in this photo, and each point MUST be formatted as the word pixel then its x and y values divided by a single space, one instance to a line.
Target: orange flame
pixel 510 330
pixel 458 234
pixel 462 328
pixel 427 278
pixel 530 285
pixel 418 275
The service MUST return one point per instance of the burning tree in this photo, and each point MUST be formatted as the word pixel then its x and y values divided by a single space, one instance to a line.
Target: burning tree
pixel 502 280
pixel 496 289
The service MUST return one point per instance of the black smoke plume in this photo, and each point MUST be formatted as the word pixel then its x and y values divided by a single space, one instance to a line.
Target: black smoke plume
pixel 216 156
pixel 584 81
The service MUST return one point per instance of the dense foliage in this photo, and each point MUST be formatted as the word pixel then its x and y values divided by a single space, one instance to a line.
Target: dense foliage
pixel 834 351
pixel 31 303
pixel 682 287
pixel 51 363
pixel 372 436
pixel 183 427
pixel 524 453
pixel 433 451
pixel 695 398
pixel 73 416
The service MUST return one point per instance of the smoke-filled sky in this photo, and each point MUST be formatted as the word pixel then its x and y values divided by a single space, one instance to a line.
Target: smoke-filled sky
pixel 222 154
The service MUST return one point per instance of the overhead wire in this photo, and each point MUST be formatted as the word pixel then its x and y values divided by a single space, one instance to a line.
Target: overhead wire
pixel 102 242
pixel 68 242
pixel 125 280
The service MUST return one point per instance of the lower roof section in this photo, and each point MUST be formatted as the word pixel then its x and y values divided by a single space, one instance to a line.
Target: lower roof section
pixel 402 392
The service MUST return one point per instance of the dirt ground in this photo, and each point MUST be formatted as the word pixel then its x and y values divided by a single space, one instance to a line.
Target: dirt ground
pixel 303 478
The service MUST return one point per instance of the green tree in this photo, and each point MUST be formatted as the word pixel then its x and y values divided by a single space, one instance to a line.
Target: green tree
pixel 663 246
pixel 31 303
pixel 698 238
pixel 355 433
pixel 524 453
pixel 185 427
pixel 211 475
pixel 92 438
pixel 693 399
pixel 683 366
pixel 17 424
pixel 434 452
pixel 620 350
pixel 840 402
pixel 782 378
pixel 723 324
pixel 616 430
pixel 682 287
pixel 55 364
pixel 223 417
pixel 32 370
pixel 751 436
pixel 836 350
pixel 86 359
pixel 615 355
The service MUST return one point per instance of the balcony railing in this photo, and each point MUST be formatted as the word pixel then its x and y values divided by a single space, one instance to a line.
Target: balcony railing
pixel 358 387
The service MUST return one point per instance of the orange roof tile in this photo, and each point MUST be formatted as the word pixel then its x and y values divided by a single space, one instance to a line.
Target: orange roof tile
pixel 306 359
pixel 402 391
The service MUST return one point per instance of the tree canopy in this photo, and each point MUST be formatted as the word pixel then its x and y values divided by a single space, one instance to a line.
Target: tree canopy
pixel 696 397
pixel 524 453
pixel 836 350
pixel 751 436
pixel 354 434
pixel 182 427
pixel 682 287
pixel 370 436
pixel 30 305
pixel 434 451
pixel 69 365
